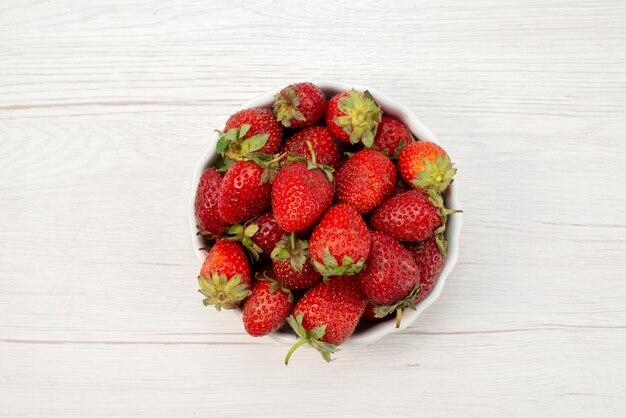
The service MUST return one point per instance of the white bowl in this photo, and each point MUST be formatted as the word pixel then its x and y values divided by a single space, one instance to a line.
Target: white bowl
pixel 374 332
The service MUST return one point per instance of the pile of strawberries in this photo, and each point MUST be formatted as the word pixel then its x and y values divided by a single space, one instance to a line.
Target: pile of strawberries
pixel 333 235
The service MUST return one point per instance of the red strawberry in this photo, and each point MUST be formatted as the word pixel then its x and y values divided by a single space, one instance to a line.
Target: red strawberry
pixel 300 195
pixel 353 117
pixel 365 180
pixel 340 243
pixel 292 266
pixel 424 164
pixel 225 275
pixel 243 194
pixel 390 278
pixel 267 308
pixel 391 136
pixel 327 315
pixel 261 121
pixel 207 195
pixel 324 145
pixel 299 105
pixel 430 263
pixel 412 216
pixel 259 236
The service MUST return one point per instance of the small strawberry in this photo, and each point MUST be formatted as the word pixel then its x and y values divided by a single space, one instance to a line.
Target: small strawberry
pixel 429 262
pixel 259 236
pixel 267 308
pixel 207 195
pixel 353 117
pixel 365 180
pixel 261 121
pixel 413 216
pixel 324 145
pixel 327 315
pixel 390 276
pixel 340 243
pixel 299 105
pixel 243 194
pixel 225 276
pixel 391 136
pixel 425 164
pixel 292 266
pixel 300 195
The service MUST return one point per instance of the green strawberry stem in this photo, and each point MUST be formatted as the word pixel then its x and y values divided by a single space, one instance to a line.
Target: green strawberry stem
pixel 293 240
pixel 310 146
pixel 297 345
pixel 398 317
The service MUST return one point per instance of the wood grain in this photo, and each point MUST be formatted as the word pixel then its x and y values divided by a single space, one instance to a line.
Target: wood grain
pixel 106 106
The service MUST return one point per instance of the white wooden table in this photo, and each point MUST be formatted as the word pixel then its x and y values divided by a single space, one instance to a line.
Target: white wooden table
pixel 105 106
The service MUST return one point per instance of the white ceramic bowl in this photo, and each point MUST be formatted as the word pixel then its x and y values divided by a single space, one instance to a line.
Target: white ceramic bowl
pixel 367 334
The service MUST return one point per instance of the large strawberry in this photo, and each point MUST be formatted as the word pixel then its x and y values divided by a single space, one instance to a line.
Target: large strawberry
pixel 323 144
pixel 365 180
pixel 327 315
pixel 391 136
pixel 340 243
pixel 413 216
pixel 225 275
pixel 425 164
pixel 300 195
pixel 353 117
pixel 390 276
pixel 299 105
pixel 259 236
pixel 292 266
pixel 260 121
pixel 429 262
pixel 244 193
pixel 207 195
pixel 267 308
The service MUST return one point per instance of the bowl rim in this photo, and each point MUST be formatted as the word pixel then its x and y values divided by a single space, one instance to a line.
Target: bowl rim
pixel 377 330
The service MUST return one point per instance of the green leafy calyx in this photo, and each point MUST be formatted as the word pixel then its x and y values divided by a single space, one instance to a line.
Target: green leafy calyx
pixel 381 311
pixel 222 292
pixel 331 267
pixel 361 117
pixel 290 248
pixel 436 175
pixel 309 337
pixel 286 107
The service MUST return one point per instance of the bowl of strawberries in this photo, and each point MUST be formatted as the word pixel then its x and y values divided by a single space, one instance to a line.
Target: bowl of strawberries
pixel 325 214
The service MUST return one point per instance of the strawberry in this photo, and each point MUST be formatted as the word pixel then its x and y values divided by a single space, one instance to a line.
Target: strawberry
pixel 413 216
pixel 391 136
pixel 429 262
pixel 260 121
pixel 207 195
pixel 225 276
pixel 340 243
pixel 353 117
pixel 292 266
pixel 259 236
pixel 299 105
pixel 425 164
pixel 327 315
pixel 267 308
pixel 390 276
pixel 300 195
pixel 243 194
pixel 324 145
pixel 365 180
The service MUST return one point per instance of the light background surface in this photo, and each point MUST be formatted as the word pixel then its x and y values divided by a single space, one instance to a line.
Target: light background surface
pixel 105 107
